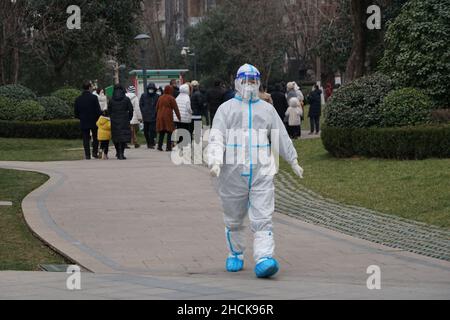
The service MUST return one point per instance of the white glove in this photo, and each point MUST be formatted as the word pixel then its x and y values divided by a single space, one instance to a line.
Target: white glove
pixel 215 171
pixel 297 169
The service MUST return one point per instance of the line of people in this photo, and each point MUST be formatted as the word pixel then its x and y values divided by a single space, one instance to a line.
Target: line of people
pixel 117 121
pixel 157 112
pixel 125 114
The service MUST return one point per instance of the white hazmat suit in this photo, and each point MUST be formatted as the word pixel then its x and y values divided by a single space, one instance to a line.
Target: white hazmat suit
pixel 244 135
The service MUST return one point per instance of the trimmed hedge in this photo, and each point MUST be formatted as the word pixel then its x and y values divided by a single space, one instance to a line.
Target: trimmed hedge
pixel 28 110
pixel 68 95
pixel 7 107
pixel 419 142
pixel 417 52
pixel 17 92
pixel 357 104
pixel 53 129
pixel 405 107
pixel 55 108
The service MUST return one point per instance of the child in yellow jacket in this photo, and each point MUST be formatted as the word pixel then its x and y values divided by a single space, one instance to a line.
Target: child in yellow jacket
pixel 104 133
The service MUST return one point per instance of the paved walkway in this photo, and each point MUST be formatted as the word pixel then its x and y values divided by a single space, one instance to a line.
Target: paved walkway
pixel 149 229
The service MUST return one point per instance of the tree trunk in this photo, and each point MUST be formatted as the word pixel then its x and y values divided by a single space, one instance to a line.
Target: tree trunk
pixel 16 66
pixel 2 56
pixel 2 73
pixel 356 62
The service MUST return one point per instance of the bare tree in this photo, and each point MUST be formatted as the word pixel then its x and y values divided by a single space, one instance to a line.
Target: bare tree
pixel 13 36
pixel 356 63
pixel 260 41
pixel 160 20
pixel 303 23
pixel 301 28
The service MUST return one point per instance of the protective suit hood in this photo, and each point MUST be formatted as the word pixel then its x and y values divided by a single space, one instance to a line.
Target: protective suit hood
pixel 247 83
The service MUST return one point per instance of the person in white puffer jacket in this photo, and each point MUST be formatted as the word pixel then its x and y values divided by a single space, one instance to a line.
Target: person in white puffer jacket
pixel 137 115
pixel 184 105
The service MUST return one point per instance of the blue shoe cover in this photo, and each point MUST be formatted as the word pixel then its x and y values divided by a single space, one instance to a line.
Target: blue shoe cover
pixel 266 267
pixel 235 263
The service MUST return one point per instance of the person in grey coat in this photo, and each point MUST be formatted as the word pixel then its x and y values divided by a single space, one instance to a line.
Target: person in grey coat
pixel 120 111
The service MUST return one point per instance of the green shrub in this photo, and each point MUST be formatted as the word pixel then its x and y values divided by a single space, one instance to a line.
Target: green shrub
pixel 53 129
pixel 7 107
pixel 418 142
pixel 55 108
pixel 68 95
pixel 405 107
pixel 28 110
pixel 17 92
pixel 417 51
pixel 357 104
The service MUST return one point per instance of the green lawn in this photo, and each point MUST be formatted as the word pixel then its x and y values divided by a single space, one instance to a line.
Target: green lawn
pixel 46 149
pixel 418 190
pixel 40 150
pixel 19 249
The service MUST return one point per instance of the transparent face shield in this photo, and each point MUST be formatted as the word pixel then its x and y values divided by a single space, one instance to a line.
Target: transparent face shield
pixel 248 85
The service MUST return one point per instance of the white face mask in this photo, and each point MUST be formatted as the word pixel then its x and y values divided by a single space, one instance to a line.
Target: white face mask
pixel 151 91
pixel 250 91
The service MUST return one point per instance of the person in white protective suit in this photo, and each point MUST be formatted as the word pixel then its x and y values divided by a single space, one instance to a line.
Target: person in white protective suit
pixel 245 132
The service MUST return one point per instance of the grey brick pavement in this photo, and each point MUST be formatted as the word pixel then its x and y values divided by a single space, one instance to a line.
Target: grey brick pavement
pixel 293 199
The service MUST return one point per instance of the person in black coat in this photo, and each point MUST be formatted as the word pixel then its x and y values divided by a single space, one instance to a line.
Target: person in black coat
pixel 87 109
pixel 147 104
pixel 198 103
pixel 229 94
pixel 315 109
pixel 197 100
pixel 205 111
pixel 214 97
pixel 120 111
pixel 279 101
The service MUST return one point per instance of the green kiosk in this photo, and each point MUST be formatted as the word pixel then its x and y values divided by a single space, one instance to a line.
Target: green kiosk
pixel 160 77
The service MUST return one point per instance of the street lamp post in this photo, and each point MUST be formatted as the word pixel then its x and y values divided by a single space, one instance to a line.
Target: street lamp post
pixel 122 69
pixel 195 66
pixel 186 51
pixel 142 40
